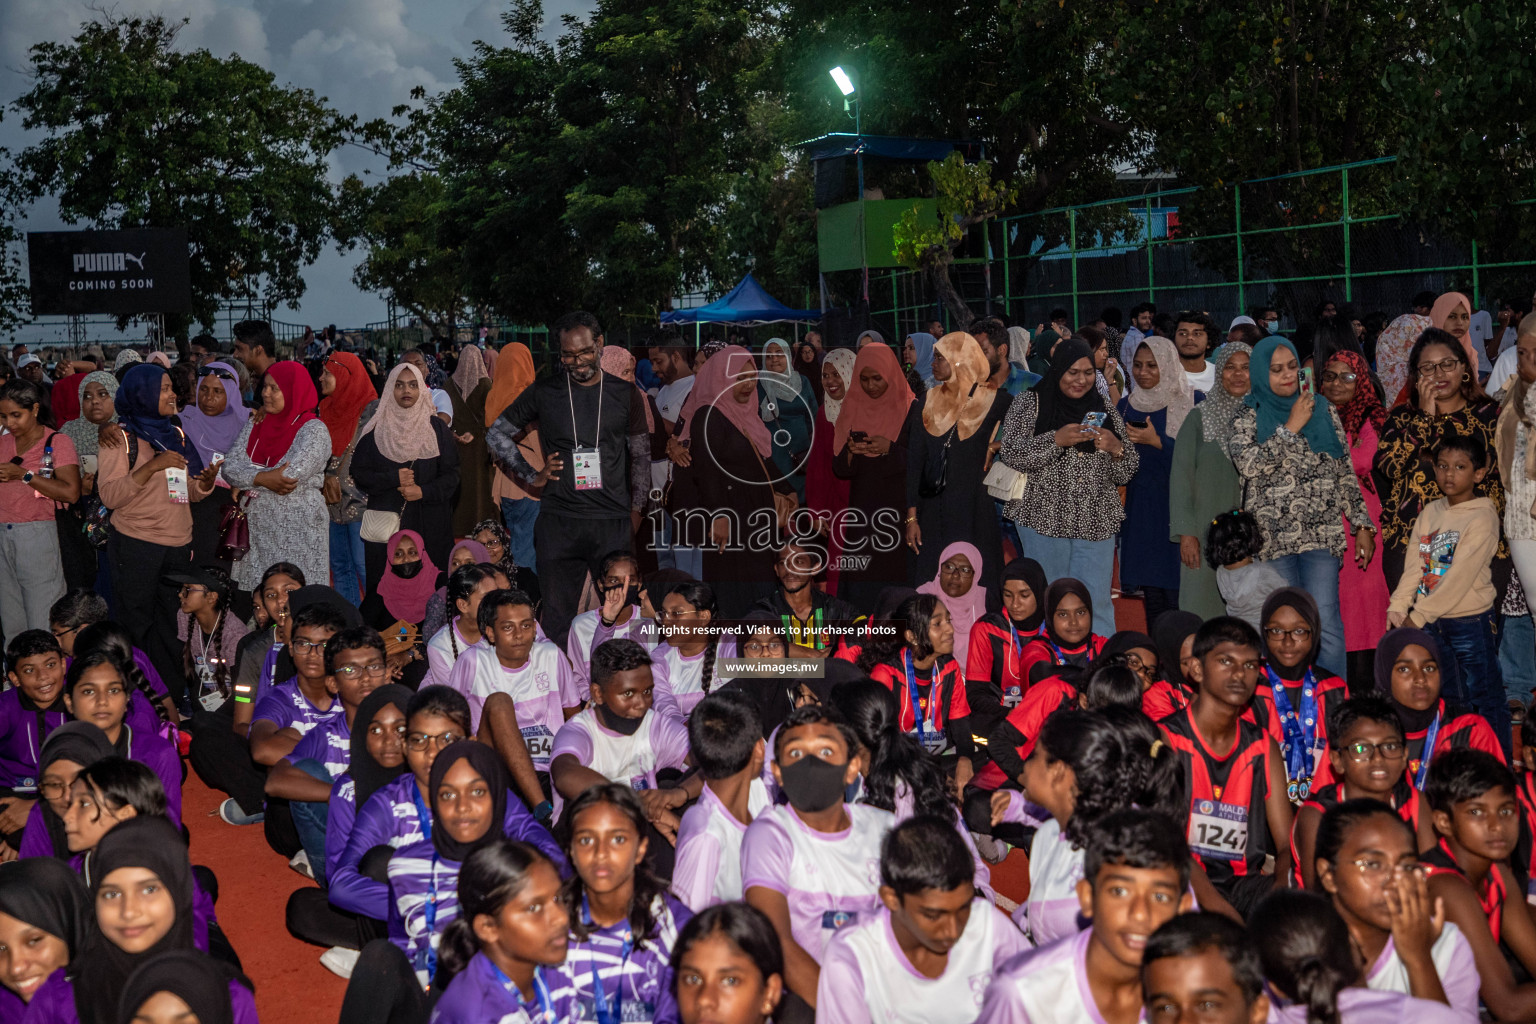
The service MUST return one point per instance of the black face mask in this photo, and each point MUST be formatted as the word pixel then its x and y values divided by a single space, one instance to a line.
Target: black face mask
pixel 812 784
pixel 617 723
pixel 408 570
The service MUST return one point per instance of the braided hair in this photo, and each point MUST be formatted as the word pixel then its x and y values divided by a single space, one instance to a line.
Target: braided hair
pixel 111 638
pixel 461 587
pixel 701 596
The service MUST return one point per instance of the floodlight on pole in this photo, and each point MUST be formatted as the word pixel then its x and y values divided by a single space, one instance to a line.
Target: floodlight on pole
pixel 844 83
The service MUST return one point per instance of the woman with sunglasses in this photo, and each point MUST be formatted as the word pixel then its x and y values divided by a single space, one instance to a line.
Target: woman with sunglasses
pixel 212 423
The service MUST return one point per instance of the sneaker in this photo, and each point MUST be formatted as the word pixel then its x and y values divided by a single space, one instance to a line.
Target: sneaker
pixel 340 960
pixel 300 863
pixel 992 849
pixel 232 813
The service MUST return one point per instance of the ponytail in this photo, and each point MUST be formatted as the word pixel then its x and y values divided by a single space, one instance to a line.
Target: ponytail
pixel 1159 782
pixel 489 879
pixel 455 949
pixel 709 661
pixel 1305 948
pixel 871 711
pixel 1317 988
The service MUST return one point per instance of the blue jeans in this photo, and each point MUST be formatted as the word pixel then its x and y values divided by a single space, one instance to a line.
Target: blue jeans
pixel 520 514
pixel 1517 641
pixel 309 819
pixel 347 572
pixel 1317 572
pixel 1091 561
pixel 1470 674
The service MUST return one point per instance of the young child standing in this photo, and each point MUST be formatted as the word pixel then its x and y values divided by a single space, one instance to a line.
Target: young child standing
pixel 727 742
pixel 1452 596
pixel 1231 543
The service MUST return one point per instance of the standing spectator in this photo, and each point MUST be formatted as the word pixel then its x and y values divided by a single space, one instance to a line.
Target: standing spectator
pixel 84 565
pixel 519 509
pixel 1202 482
pixel 407 462
pixel 826 492
pixel 1392 349
pixel 1141 327
pixel 947 462
pixel 1154 413
pixel 596 475
pixel 917 355
pixel 1453 313
pixel 1111 375
pixel 255 347
pixel 151 530
pixel 1443 400
pixel 995 344
pixel 347 400
pixel 1513 441
pixel 1345 380
pixel 1195 337
pixel 1290 452
pixel 213 424
pixel 36 462
pixel 468 389
pixel 788 406
pixel 1071 509
pixel 672 358
pixel 281 461
pixel 434 378
pixel 875 464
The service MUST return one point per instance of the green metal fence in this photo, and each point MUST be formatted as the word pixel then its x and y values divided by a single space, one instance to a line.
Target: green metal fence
pixel 1290 242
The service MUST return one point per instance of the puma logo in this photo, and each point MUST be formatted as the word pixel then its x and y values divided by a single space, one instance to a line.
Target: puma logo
pixel 139 259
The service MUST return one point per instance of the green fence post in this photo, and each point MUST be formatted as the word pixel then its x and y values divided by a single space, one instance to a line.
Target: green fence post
pixel 1007 281
pixel 1348 284
pixel 1072 234
pixel 1237 226
pixel 1146 239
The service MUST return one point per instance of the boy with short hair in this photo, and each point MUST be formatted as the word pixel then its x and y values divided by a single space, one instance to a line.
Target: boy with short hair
pixel 291 709
pixel 1452 596
pixel 1235 786
pixel 1471 795
pixel 31 709
pixel 928 953
pixel 811 865
pixel 726 738
pixel 1135 879
pixel 1202 967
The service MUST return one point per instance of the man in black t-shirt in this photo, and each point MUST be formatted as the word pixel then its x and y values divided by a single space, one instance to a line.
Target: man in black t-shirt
pixel 596 472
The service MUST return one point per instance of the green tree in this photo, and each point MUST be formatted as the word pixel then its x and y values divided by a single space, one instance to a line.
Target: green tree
pixel 137 133
pixel 926 239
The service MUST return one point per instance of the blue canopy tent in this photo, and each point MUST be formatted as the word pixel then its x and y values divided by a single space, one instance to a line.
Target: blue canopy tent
pixel 747 304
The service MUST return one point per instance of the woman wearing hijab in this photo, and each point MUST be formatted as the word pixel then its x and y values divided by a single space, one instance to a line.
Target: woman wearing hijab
pixel 468 389
pixel 405 585
pixel 1345 380
pixel 69 749
pixel 347 401
pixel 182 982
pixel 1295 693
pixel 788 406
pixel 1443 400
pixel 949 449
pixel 1078 455
pixel 125 361
pixel 465 552
pixel 1392 348
pixel 917 356
pixel 826 493
pixel 151 532
pixel 1174 638
pixel 148 858
pixel 957 586
pixel 83 564
pixel 1408 674
pixel 725 432
pixel 519 509
pixel 280 458
pixel 45 917
pixel 995 659
pixel 407 462
pixel 1203 483
pixel 213 423
pixel 870 441
pixel 1290 452
pixel 1155 413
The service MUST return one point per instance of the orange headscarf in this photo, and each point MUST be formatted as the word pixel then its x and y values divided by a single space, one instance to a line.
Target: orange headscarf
pixel 954 400
pixel 514 372
pixel 877 417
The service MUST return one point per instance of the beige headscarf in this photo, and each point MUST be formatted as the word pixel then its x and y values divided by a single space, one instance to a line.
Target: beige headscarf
pixel 1173 391
pixel 954 400
pixel 404 435
pixel 470 371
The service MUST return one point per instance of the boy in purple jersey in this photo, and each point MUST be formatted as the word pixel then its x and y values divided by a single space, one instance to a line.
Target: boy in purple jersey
pixel 1136 878
pixel 354 668
pixel 29 711
pixel 293 708
pixel 1202 967
pixel 96 691
pixel 930 951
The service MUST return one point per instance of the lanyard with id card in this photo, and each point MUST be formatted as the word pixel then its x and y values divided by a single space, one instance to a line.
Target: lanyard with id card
pixel 587 462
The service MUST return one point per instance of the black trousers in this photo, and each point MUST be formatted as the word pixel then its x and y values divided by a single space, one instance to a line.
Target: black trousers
pixel 76 554
pixel 206 536
pixel 976 808
pixel 222 758
pixel 312 919
pixel 383 989
pixel 568 550
pixel 146 604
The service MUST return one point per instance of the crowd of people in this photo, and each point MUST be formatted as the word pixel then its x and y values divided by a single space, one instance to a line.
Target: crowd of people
pixel 712 683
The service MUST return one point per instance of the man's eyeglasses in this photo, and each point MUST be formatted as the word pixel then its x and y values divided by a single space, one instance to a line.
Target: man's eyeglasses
pixel 60 634
pixel 307 646
pixel 578 355
pixel 419 740
pixel 351 672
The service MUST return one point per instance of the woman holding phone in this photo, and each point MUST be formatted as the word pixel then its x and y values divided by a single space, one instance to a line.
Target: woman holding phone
pixel 1078 453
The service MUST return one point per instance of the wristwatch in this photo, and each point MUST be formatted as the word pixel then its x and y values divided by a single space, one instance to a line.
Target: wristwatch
pixel 26 477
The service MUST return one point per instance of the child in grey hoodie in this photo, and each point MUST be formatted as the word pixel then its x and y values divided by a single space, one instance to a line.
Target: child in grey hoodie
pixel 1231 541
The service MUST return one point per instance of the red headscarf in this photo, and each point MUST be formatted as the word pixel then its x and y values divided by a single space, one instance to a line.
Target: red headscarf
pixel 406 599
pixel 1365 406
pixel 877 417
pixel 273 436
pixel 341 409
pixel 712 388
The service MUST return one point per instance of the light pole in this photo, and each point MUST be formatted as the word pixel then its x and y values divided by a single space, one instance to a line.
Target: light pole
pixel 851 102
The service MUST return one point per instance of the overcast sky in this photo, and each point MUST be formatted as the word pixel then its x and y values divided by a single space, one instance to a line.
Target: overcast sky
pixel 365 55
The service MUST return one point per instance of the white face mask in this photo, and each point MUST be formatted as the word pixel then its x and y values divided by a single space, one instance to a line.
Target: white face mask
pixel 1272 326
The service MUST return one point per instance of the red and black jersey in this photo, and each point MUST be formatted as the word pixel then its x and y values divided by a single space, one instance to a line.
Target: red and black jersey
pixel 1490 895
pixel 941 701
pixel 1163 698
pixel 1011 743
pixel 1262 711
pixel 1228 823
pixel 1523 861
pixel 1459 728
pixel 1405 800
pixel 997 657
pixel 1042 658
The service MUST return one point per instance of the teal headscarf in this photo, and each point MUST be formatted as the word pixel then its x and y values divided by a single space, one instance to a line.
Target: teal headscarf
pixel 1273 410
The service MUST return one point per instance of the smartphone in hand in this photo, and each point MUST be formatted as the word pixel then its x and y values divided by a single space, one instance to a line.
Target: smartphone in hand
pixel 1094 420
pixel 1307 387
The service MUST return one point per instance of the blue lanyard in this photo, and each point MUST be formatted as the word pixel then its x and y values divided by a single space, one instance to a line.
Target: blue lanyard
pixel 1297 744
pixel 1018 645
pixel 1428 753
pixel 430 912
pixel 540 991
pixel 912 694
pixel 607 1011
pixel 423 815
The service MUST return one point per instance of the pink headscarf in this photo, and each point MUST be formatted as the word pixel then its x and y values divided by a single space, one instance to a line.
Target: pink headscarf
pixel 1444 306
pixel 968 607
pixel 619 362
pixel 712 389
pixel 406 599
pixel 404 435
pixel 160 359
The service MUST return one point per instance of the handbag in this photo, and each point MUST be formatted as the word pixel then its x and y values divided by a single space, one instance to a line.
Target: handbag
pixel 235 530
pixel 936 477
pixel 379 526
pixel 1004 482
